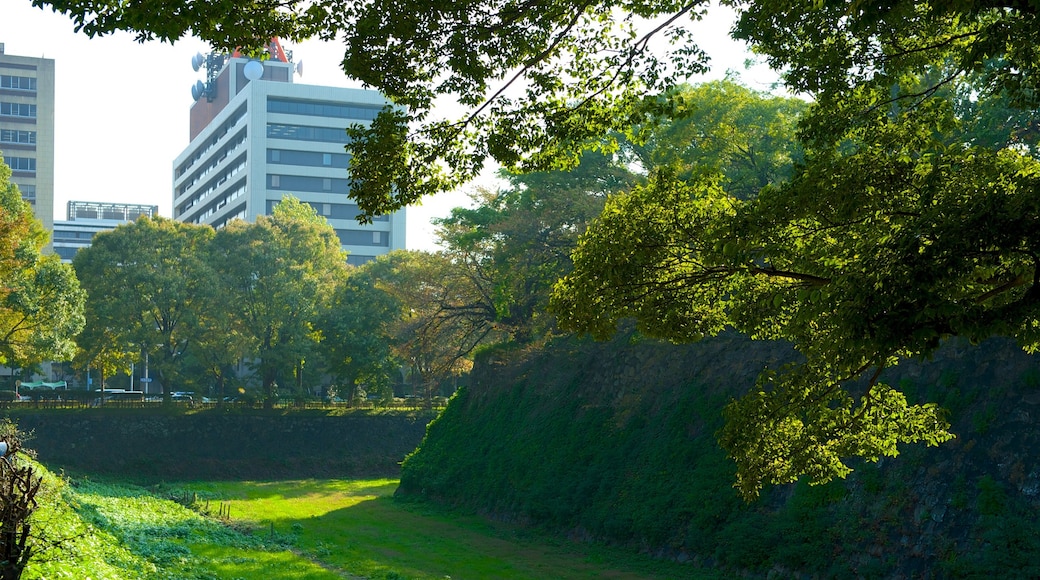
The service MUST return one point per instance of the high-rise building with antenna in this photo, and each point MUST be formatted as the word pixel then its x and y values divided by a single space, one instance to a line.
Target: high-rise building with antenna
pixel 257 136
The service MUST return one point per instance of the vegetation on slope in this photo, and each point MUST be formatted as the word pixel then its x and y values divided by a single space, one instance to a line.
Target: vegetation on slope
pixel 616 442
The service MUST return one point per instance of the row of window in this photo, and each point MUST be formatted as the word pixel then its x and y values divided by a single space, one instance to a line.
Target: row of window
pixel 307 183
pixel 322 109
pixel 308 158
pixel 17 83
pixel 66 253
pixel 214 140
pixel 16 136
pixel 239 215
pixel 216 182
pixel 234 192
pixel 226 150
pixel 18 110
pixel 20 163
pixel 332 211
pixel 70 236
pixel 306 133
pixel 363 238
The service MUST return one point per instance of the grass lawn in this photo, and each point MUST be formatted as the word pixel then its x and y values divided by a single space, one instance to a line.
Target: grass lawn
pixel 357 528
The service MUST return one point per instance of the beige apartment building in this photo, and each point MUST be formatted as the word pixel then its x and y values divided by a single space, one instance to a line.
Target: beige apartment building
pixel 27 128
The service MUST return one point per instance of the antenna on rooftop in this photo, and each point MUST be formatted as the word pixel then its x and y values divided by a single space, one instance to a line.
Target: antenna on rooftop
pixel 212 63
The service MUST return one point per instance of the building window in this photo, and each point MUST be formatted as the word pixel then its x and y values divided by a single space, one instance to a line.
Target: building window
pixel 18 110
pixel 28 192
pixel 363 238
pixel 307 133
pixel 308 158
pixel 303 183
pixel 17 83
pixel 21 163
pixel 323 109
pixel 15 136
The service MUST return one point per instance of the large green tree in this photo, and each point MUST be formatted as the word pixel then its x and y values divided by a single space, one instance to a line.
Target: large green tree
pixel 145 282
pixel 908 220
pixel 435 332
pixel 41 302
pixel 357 334
pixel 517 240
pixel 275 276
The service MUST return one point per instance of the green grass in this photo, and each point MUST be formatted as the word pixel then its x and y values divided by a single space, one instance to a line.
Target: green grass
pixel 357 526
pixel 300 530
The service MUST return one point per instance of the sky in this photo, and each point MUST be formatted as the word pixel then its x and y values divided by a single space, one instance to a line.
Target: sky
pixel 122 107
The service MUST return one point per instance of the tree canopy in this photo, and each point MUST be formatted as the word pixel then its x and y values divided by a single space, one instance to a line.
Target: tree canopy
pixel 908 214
pixel 276 275
pixel 146 283
pixel 41 302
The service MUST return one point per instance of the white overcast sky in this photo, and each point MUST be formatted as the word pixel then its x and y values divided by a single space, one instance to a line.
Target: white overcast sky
pixel 122 107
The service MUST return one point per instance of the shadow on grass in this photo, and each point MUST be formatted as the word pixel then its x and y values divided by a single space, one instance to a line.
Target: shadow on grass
pixel 379 537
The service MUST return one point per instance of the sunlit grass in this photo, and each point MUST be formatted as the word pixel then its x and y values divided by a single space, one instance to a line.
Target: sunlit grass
pixel 304 530
pixel 157 538
pixel 356 526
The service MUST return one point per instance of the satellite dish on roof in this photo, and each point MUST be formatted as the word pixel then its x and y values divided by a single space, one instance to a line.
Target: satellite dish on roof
pixel 196 61
pixel 253 70
pixel 299 68
pixel 197 90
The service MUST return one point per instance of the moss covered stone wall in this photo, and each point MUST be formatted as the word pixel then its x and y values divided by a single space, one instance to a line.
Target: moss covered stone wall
pixel 214 445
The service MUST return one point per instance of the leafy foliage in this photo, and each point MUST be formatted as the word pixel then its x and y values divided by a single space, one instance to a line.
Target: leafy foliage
pixel 146 282
pixel 41 303
pixel 276 274
pixel 540 79
pixel 434 331
pixel 517 241
pixel 356 325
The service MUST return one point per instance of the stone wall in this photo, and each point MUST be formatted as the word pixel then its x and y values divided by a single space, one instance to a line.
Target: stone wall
pixel 156 447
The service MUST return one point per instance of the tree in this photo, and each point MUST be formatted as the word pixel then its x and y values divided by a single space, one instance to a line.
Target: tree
pixel 276 274
pixel 41 302
pixel 434 333
pixel 145 283
pixel 357 327
pixel 517 241
pixel 747 137
pixel 220 340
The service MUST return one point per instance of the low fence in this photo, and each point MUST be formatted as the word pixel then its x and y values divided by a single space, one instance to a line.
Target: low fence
pixel 82 400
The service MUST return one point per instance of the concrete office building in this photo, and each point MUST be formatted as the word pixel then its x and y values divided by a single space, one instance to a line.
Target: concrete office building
pixel 27 128
pixel 256 136
pixel 85 219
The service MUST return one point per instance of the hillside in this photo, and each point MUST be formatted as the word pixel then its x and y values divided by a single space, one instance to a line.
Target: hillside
pixel 614 442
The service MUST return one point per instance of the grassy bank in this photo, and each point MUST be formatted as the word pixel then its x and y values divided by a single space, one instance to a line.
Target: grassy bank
pixel 300 530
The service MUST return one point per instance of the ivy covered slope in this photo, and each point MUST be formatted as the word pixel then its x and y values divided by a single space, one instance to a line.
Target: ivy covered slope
pixel 616 442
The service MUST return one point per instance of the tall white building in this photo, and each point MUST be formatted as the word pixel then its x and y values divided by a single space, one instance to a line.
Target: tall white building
pixel 257 136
